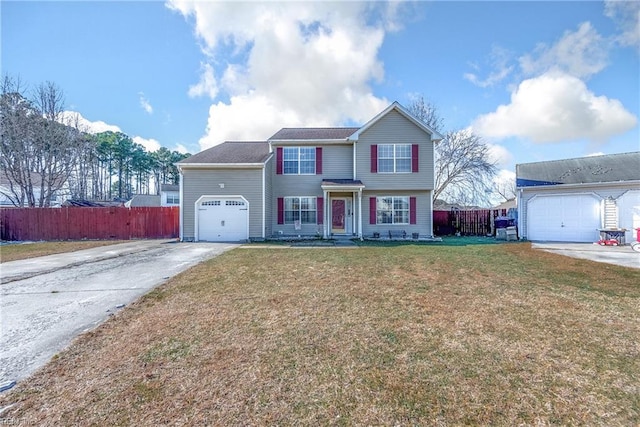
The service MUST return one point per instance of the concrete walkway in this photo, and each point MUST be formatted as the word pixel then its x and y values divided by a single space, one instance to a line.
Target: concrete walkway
pixel 622 256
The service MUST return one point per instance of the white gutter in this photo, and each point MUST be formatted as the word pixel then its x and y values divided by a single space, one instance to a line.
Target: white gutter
pixel 264 198
pixel 581 185
pixel 354 161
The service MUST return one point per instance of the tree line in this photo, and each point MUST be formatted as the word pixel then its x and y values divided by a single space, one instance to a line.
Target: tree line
pixel 45 152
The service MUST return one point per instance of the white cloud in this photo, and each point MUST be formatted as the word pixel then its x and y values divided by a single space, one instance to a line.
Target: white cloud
pixel 73 118
pixel 144 103
pixel 180 148
pixel 148 144
pixel 582 53
pixel 207 85
pixel 289 64
pixel 499 62
pixel 556 107
pixel 626 14
pixel 499 154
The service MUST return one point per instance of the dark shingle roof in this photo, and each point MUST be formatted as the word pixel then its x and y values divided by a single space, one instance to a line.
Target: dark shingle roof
pixel 583 170
pixel 232 152
pixel 313 133
pixel 169 187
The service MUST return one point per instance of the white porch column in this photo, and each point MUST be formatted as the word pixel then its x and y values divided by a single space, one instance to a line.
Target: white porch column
pixel 360 213
pixel 325 216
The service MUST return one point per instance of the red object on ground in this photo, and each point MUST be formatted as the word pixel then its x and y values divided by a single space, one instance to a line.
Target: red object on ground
pixel 608 242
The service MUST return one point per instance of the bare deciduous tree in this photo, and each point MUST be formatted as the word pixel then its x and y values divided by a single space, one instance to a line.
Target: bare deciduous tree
pixel 463 169
pixel 37 151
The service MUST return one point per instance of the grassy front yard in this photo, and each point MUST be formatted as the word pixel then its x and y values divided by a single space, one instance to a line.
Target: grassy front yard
pixel 395 335
pixel 17 251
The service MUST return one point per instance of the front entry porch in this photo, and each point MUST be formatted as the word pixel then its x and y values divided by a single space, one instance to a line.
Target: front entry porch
pixel 342 213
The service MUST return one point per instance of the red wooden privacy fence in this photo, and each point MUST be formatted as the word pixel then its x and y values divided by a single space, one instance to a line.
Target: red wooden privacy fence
pixel 74 223
pixel 467 223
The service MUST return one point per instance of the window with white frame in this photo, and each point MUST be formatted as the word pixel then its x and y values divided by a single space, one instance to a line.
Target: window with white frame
pixel 173 199
pixel 394 158
pixel 301 209
pixel 299 160
pixel 392 210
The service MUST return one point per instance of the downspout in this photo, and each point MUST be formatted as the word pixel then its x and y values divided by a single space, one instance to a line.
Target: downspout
pixel 181 203
pixel 264 198
pixel 354 161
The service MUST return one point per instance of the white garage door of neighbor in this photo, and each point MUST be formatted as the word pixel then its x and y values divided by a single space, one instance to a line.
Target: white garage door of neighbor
pixel 567 218
pixel 223 220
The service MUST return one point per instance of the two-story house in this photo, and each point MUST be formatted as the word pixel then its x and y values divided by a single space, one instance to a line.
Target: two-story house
pixel 324 182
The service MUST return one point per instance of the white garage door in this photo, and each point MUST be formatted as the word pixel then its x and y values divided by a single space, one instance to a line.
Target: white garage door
pixel 629 213
pixel 223 219
pixel 567 218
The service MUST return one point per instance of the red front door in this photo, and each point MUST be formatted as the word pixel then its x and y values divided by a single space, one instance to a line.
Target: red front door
pixel 337 215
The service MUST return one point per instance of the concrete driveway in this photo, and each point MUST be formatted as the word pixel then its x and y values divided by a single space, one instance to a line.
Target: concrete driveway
pixel 46 302
pixel 618 255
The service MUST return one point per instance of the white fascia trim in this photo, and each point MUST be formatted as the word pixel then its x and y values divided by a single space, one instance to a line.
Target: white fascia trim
pixel 312 142
pixel 586 186
pixel 221 166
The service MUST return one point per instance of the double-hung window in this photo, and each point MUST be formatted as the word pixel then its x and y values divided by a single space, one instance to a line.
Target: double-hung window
pixel 299 160
pixel 392 210
pixel 301 209
pixel 394 158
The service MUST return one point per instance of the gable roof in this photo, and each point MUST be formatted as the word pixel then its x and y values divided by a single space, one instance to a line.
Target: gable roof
pixel 169 187
pixel 435 136
pixel 583 170
pixel 231 152
pixel 299 134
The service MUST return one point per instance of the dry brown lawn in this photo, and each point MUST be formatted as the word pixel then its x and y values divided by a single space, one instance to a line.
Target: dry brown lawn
pixel 17 251
pixel 404 335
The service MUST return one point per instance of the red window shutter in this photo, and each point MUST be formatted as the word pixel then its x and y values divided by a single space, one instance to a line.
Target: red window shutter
pixel 318 160
pixel 320 209
pixel 280 210
pixel 412 211
pixel 372 210
pixel 279 162
pixel 374 159
pixel 414 158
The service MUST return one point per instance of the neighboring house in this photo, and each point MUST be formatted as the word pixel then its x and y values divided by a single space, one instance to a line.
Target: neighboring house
pixel 323 182
pixel 169 195
pixel 572 200
pixel 7 196
pixel 143 200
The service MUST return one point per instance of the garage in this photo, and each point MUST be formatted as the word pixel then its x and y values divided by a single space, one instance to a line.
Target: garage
pixel 222 218
pixel 564 218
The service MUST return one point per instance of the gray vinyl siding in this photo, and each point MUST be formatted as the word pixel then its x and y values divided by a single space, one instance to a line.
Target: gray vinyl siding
pixel 615 191
pixel 242 182
pixel 394 128
pixel 337 163
pixel 424 216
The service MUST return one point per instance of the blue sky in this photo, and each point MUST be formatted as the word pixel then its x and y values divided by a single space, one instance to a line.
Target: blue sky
pixel 537 80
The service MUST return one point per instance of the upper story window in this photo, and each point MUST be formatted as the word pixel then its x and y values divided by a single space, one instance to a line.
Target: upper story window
pixel 394 158
pixel 299 160
pixel 173 199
